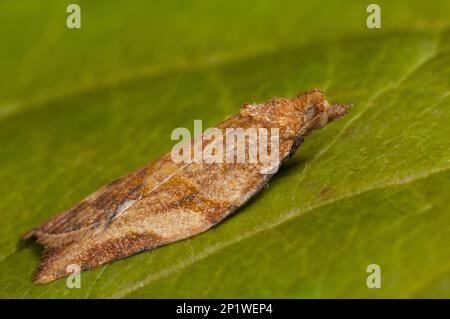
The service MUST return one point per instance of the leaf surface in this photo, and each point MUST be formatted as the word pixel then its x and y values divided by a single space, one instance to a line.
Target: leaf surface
pixel 80 108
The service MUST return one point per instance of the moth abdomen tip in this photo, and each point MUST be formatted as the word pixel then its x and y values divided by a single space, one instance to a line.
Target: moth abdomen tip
pixel 41 279
pixel 28 235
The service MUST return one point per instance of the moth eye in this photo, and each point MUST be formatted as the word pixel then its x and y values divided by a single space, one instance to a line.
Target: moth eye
pixel 322 121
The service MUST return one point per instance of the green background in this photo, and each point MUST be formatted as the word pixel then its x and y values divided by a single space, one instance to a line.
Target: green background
pixel 79 108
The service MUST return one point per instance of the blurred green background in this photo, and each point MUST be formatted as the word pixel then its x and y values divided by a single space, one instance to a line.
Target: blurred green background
pixel 81 107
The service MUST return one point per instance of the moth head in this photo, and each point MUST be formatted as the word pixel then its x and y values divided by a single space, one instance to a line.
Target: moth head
pixel 318 115
pixel 315 110
pixel 305 112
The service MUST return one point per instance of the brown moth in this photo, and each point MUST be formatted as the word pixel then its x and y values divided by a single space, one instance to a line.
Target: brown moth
pixel 163 202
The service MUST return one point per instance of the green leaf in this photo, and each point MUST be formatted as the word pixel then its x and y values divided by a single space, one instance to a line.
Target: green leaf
pixel 81 107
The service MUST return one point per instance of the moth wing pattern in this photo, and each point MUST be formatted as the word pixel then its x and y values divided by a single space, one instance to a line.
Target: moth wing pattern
pixel 179 208
pixel 90 214
pixel 163 202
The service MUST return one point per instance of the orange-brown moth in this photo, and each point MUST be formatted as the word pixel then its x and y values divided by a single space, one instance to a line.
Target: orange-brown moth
pixel 163 202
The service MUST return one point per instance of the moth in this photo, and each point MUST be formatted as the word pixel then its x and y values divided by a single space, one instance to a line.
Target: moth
pixel 164 202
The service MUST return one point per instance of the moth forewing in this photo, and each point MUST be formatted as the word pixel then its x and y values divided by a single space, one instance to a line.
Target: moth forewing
pixel 176 198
